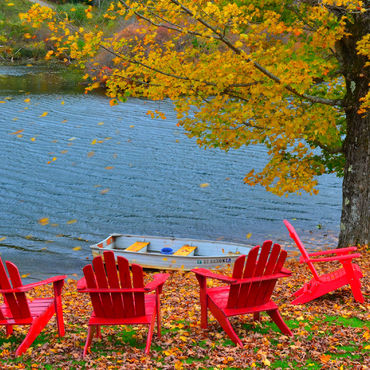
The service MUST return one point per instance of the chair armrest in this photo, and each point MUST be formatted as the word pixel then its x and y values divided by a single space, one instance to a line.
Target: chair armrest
pixel 28 287
pixel 209 274
pixel 338 251
pixel 112 290
pixel 159 279
pixel 81 284
pixel 336 258
pixel 264 278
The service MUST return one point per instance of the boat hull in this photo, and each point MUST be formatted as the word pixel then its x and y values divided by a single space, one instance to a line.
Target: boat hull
pixel 208 254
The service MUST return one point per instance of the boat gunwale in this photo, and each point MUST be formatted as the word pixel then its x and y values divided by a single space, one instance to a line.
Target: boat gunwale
pixel 168 238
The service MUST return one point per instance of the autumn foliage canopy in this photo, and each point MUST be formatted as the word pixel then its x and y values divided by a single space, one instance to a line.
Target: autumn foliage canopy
pixel 276 73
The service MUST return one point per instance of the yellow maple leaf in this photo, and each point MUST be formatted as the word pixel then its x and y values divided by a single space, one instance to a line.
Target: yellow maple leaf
pixel 77 248
pixel 44 220
pixel 179 365
pixel 266 362
pixel 71 222
pixel 44 114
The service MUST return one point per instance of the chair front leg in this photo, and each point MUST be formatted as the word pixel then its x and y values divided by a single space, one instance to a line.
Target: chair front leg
pixel 58 286
pixel 158 313
pixel 9 330
pixel 37 325
pixel 354 281
pixel 90 335
pixel 203 301
pixel 150 333
pixel 278 320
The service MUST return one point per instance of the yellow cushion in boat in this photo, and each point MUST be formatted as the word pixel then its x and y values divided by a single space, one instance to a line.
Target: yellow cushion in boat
pixel 185 250
pixel 137 247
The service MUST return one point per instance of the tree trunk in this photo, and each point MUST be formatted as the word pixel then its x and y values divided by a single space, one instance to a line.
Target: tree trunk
pixel 355 219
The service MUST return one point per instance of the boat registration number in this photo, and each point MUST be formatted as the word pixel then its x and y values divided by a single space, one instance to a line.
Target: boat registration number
pixel 214 260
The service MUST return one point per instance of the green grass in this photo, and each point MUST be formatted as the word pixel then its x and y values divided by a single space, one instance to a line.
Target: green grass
pixel 127 336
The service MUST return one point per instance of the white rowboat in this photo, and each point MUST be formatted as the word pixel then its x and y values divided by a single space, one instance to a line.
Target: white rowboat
pixel 166 253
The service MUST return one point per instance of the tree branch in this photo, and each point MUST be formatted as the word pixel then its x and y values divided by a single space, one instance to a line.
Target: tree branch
pixel 130 60
pixel 335 150
pixel 313 99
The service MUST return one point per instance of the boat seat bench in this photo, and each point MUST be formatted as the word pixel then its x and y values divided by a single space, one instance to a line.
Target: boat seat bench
pixel 185 250
pixel 138 247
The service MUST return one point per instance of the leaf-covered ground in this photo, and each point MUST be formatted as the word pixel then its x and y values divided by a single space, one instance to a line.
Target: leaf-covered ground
pixel 330 332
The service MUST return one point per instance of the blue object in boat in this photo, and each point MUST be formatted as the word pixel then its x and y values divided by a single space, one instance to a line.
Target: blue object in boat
pixel 167 250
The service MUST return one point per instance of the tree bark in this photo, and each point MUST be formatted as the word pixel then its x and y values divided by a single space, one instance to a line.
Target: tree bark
pixel 355 218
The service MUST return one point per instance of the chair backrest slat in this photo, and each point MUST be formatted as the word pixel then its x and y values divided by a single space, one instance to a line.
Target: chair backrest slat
pixel 278 257
pixel 102 281
pixel 293 234
pixel 106 274
pixel 95 297
pixel 237 274
pixel 264 253
pixel 17 303
pixel 9 298
pixel 249 271
pixel 261 261
pixel 17 282
pixel 125 279
pixel 138 282
pixel 111 268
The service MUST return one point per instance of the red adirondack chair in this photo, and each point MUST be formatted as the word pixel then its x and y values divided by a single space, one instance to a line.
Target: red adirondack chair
pixel 117 300
pixel 350 273
pixel 18 310
pixel 249 291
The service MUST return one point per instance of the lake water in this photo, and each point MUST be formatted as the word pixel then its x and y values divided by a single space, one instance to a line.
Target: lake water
pixel 89 170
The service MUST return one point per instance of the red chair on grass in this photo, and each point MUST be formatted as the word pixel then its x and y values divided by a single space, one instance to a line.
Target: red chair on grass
pixel 249 289
pixel 350 273
pixel 118 300
pixel 18 310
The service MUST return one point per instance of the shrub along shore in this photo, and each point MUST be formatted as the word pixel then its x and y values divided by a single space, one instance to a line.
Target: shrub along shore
pixel 22 44
pixel 330 332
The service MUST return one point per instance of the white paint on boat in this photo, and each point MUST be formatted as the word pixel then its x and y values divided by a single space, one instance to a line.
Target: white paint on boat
pixel 208 254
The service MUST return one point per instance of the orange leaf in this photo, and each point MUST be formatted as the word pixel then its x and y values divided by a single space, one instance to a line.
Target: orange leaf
pixel 325 358
pixel 16 132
